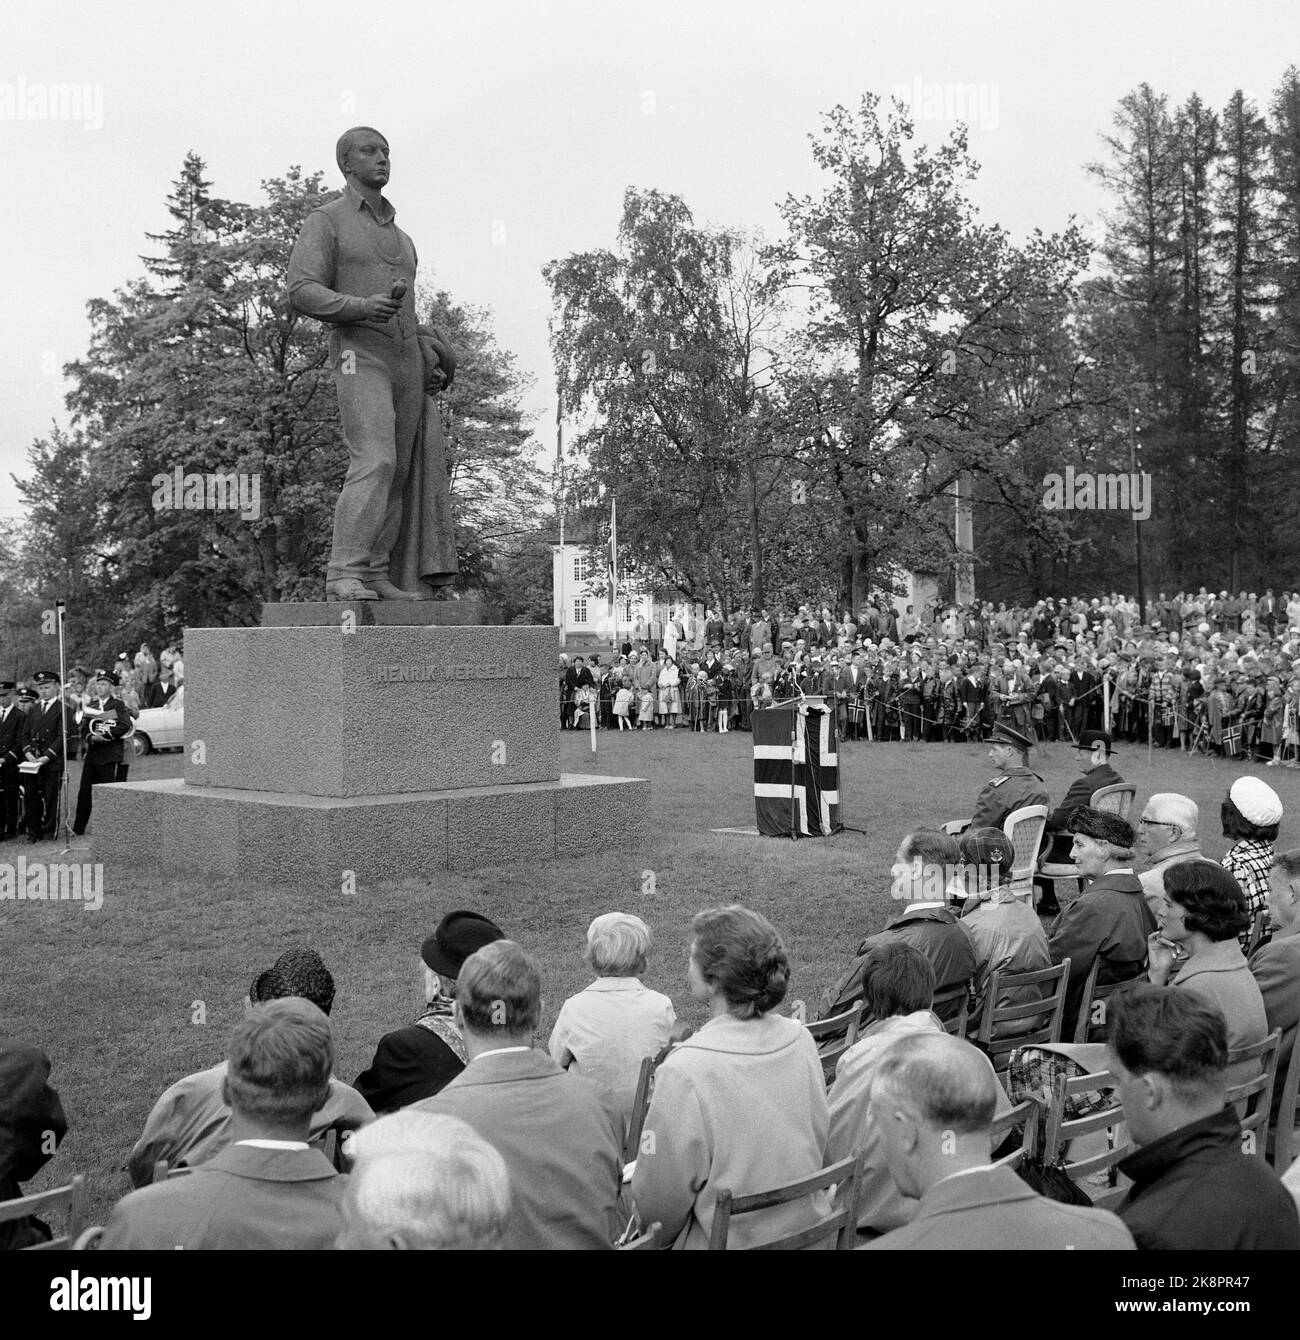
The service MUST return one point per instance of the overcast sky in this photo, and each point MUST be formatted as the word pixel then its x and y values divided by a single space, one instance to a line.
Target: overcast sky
pixel 515 127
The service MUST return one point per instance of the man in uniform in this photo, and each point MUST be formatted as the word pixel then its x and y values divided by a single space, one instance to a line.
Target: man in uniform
pixel 1094 754
pixel 1014 786
pixel 41 737
pixel 11 755
pixel 103 726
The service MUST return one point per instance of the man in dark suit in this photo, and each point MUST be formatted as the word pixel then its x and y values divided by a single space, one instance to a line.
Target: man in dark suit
pixel 1192 1188
pixel 1078 684
pixel 973 693
pixel 268 1188
pixel 1094 754
pixel 417 1061
pixel 104 725
pixel 559 1135
pixel 12 718
pixel 41 738
pixel 31 1125
pixel 1110 920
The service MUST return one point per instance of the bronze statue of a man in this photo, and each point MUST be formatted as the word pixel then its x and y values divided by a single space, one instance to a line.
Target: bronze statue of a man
pixel 354 268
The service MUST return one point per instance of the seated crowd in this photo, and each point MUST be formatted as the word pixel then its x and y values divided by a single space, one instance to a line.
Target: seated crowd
pixel 466 1132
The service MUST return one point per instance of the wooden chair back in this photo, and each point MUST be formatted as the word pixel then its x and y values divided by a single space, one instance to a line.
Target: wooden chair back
pixel 1024 829
pixel 1091 1023
pixel 1028 1113
pixel 645 1083
pixel 848 1023
pixel 1256 1093
pixel 1045 1013
pixel 840 1226
pixel 1117 799
pixel 70 1198
pixel 956 1026
pixel 1284 1147
pixel 1061 1131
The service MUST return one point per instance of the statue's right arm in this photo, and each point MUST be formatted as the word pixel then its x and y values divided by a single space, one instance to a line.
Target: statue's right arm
pixel 311 274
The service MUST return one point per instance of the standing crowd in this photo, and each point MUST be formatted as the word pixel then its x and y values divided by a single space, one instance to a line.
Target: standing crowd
pixel 1207 673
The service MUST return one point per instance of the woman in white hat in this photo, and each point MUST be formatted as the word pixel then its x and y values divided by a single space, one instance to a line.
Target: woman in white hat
pixel 1251 813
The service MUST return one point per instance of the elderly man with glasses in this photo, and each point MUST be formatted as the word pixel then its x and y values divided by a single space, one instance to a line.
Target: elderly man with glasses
pixel 1166 837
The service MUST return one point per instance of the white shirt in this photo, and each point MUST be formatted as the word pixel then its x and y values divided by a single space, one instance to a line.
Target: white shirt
pixel 274 1144
pixel 604 1033
pixel 498 1051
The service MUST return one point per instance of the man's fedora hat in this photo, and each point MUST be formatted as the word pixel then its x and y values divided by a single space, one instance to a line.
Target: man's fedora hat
pixel 1088 738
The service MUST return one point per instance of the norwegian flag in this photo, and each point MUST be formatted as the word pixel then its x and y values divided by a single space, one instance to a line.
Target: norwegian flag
pixel 796 780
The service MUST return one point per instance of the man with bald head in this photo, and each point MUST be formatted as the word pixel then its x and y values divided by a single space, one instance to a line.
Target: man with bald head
pixel 932 1104
pixel 354 268
pixel 1166 835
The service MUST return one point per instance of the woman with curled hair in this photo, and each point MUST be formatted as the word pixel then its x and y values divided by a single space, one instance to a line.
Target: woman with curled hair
pixel 1203 914
pixel 605 1031
pixel 740 1104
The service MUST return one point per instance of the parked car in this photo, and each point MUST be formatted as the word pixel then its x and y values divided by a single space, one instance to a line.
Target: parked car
pixel 161 727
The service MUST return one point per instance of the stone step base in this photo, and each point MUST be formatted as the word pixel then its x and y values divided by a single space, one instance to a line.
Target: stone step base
pixel 169 827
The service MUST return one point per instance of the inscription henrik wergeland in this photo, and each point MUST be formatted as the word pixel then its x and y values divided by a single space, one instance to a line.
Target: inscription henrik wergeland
pixel 420 674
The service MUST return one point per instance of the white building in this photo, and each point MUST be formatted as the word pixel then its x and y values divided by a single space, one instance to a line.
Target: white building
pixel 580 595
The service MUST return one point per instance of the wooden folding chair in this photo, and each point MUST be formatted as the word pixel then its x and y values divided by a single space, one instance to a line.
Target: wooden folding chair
pixel 71 1198
pixel 645 1083
pixel 957 1024
pixel 1062 1131
pixel 1256 1093
pixel 1283 1149
pixel 1091 1023
pixel 848 1023
pixel 1027 1113
pixel 648 1240
pixel 841 1225
pixel 1048 1012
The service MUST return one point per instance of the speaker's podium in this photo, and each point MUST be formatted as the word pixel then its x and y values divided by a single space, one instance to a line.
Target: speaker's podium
pixel 796 770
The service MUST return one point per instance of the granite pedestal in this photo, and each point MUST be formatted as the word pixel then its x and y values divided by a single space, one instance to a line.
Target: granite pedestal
pixel 339 753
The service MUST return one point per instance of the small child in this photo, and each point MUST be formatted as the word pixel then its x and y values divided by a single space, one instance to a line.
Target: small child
pixel 623 706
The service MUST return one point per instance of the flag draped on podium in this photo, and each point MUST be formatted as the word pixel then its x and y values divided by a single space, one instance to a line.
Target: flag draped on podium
pixel 796 771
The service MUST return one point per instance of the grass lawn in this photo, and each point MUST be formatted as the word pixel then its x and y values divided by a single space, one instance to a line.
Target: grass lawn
pixel 127 999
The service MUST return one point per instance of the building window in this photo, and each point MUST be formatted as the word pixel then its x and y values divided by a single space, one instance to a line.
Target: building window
pixel 580 610
pixel 581 567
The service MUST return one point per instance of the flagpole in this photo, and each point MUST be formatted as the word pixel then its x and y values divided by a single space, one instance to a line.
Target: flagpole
pixel 613 574
pixel 559 476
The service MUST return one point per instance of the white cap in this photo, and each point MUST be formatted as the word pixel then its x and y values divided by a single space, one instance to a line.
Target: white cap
pixel 1258 802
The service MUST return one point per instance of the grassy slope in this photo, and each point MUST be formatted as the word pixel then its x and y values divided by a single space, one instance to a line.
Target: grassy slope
pixel 110 995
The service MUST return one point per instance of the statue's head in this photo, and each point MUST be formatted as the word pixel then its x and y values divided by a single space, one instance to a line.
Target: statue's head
pixel 363 151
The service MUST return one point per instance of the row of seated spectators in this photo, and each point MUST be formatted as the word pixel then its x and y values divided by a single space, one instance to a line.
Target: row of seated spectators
pixel 485 1141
